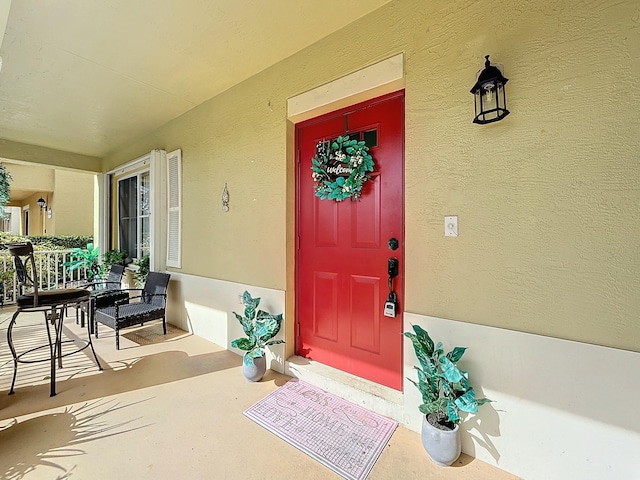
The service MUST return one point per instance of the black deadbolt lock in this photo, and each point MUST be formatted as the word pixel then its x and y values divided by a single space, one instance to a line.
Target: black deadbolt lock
pixel 393 244
pixel 392 268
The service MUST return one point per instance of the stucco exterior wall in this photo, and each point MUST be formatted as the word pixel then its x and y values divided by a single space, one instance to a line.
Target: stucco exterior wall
pixel 69 194
pixel 31 178
pixel 547 199
pixel 48 156
pixel 72 203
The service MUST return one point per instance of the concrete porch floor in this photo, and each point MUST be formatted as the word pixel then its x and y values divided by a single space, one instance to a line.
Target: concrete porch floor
pixel 162 408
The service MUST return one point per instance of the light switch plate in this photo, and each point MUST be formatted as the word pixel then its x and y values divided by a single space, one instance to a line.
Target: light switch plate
pixel 451 226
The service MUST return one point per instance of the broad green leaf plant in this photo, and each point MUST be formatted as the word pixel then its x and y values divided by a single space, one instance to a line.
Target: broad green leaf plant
pixel 87 258
pixel 260 328
pixel 445 389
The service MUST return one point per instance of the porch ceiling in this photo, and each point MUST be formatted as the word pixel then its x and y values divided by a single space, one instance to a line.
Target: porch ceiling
pixel 88 76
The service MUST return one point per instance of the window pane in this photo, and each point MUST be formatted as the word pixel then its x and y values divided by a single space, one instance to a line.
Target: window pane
pixel 127 196
pixel 127 213
pixel 371 138
pixel 134 215
pixel 145 244
pixel 128 236
pixel 145 197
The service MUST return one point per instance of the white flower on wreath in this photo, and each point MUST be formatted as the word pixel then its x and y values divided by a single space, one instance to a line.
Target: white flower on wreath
pixel 356 160
pixel 340 156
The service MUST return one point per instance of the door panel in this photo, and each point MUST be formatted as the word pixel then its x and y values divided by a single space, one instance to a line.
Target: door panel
pixel 342 257
pixel 326 224
pixel 365 223
pixel 325 306
pixel 365 325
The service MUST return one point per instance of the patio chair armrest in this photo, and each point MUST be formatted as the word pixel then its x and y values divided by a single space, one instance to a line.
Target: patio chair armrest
pixel 106 293
pixel 124 301
pixel 89 284
pixel 110 292
pixel 105 283
pixel 146 296
pixel 133 289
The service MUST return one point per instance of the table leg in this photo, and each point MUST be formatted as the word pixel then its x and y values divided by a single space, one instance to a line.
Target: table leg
pixel 13 351
pixel 53 344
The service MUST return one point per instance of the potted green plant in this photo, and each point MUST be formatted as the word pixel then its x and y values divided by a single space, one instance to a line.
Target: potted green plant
pixel 142 272
pixel 445 392
pixel 112 257
pixel 259 327
pixel 85 258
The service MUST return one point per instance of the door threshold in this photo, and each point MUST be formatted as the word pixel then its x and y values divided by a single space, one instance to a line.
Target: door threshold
pixel 377 398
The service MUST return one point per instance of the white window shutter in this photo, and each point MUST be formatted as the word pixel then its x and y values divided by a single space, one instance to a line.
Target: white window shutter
pixel 174 204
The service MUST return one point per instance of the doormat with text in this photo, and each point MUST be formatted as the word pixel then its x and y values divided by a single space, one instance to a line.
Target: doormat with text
pixel 341 435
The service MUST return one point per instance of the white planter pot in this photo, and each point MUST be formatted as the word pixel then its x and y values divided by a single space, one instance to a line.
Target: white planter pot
pixel 442 446
pixel 256 372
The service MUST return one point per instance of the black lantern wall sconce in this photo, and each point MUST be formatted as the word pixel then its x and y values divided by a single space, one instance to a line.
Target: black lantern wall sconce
pixel 490 98
pixel 43 206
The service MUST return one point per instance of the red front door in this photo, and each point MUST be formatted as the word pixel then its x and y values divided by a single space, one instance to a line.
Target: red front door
pixel 344 248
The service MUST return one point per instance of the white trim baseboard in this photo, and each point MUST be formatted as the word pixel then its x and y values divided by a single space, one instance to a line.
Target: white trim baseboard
pixel 561 409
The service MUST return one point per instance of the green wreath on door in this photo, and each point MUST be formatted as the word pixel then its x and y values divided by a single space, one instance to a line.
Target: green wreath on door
pixel 340 168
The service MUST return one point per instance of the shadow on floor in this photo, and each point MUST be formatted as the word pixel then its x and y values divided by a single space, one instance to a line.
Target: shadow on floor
pixel 39 441
pixel 81 381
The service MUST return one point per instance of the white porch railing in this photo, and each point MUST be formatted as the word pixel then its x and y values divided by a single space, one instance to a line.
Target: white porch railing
pixel 51 272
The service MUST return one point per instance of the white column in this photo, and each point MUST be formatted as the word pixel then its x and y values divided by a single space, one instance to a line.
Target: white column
pixel 101 211
pixel 158 221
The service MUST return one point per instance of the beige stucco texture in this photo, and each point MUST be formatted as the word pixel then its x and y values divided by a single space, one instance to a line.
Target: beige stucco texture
pixel 48 156
pixel 547 199
pixel 68 193
pixel 72 203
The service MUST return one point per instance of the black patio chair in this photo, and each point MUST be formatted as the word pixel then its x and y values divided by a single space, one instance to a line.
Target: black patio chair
pixel 53 303
pixel 104 293
pixel 112 282
pixel 149 305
